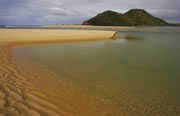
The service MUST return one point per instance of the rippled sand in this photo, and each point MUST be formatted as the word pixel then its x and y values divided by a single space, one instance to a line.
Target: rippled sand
pixel 28 88
pixel 31 89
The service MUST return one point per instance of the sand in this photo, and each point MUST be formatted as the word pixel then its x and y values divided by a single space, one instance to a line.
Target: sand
pixel 28 88
pixel 38 35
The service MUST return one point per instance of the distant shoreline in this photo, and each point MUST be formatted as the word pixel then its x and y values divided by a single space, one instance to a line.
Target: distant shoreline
pixel 91 27
pixel 81 27
pixel 68 27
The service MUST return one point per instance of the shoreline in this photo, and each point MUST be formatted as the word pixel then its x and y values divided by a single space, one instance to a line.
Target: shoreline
pixel 30 88
pixel 53 36
pixel 90 27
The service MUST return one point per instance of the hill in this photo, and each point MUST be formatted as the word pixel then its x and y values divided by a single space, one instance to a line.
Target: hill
pixel 143 18
pixel 110 18
pixel 134 17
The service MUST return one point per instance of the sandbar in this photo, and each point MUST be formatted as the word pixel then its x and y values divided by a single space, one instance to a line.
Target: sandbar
pixel 45 35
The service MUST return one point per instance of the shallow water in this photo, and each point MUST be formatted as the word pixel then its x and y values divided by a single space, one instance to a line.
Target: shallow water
pixel 139 72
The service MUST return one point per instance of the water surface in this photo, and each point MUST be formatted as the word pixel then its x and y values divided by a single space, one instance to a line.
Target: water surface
pixel 139 72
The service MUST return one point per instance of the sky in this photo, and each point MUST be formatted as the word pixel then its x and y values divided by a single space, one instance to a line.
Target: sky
pixel 57 12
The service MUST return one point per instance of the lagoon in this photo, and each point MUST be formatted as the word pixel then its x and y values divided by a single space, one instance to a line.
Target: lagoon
pixel 139 73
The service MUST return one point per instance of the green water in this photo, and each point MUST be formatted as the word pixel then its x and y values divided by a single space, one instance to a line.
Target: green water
pixel 139 72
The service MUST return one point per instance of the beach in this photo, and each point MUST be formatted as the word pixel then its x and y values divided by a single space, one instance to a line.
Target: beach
pixel 89 58
pixel 49 72
pixel 37 35
pixel 32 89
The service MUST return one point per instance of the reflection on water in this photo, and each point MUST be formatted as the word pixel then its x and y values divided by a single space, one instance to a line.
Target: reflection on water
pixel 138 77
pixel 129 37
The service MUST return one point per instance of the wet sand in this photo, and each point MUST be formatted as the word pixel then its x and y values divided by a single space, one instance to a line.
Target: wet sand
pixel 28 88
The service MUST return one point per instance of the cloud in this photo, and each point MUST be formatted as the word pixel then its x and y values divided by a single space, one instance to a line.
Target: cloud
pixel 60 11
pixel 54 12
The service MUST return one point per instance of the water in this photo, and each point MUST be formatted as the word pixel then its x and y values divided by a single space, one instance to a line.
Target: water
pixel 139 72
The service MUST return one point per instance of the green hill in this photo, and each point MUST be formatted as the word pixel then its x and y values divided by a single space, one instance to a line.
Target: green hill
pixel 110 18
pixel 143 18
pixel 134 17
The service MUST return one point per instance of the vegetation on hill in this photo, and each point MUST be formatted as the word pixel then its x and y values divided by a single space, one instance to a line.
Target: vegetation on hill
pixel 143 18
pixel 173 24
pixel 134 17
pixel 110 18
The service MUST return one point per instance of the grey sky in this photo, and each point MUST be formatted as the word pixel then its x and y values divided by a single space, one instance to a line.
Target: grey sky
pixel 55 12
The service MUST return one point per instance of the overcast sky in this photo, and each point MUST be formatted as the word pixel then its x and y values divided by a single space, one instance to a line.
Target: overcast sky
pixel 55 12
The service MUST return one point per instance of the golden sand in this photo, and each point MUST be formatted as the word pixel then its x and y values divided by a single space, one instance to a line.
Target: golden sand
pixel 35 35
pixel 28 88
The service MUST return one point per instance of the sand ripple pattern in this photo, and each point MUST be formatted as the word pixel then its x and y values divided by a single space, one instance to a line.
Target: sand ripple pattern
pixel 16 98
pixel 26 90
